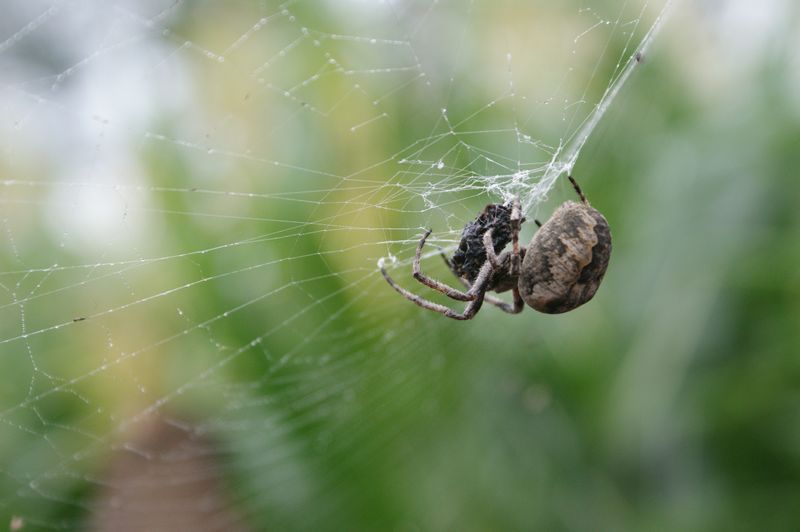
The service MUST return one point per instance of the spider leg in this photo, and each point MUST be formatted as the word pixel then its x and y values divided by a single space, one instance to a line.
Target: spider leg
pixel 497 262
pixel 518 304
pixel 449 264
pixel 577 188
pixel 516 224
pixel 433 283
pixel 479 289
pixel 452 268
pixel 516 308
pixel 414 298
pixel 488 245
pixel 472 308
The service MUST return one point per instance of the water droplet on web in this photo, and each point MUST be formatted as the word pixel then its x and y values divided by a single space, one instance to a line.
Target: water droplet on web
pixel 440 165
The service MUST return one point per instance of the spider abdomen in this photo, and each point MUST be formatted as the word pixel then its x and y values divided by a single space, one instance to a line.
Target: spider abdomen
pixel 566 259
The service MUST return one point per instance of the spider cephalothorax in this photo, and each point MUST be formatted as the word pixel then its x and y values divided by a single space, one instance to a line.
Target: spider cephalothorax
pixel 560 270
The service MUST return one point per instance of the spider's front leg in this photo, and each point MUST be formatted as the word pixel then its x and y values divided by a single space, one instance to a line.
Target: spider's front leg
pixel 497 263
pixel 433 283
pixel 474 295
pixel 516 224
pixel 518 306
pixel 478 289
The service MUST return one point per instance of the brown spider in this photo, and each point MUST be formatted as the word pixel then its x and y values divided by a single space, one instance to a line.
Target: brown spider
pixel 560 270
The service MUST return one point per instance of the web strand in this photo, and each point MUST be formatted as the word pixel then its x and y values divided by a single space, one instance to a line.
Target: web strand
pixel 192 202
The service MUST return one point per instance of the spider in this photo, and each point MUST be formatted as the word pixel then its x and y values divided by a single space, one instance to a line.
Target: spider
pixel 560 270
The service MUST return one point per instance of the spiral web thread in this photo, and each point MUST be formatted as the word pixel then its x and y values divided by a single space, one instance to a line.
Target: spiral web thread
pixel 186 190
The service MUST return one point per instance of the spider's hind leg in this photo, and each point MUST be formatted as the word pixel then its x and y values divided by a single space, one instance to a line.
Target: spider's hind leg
pixel 433 283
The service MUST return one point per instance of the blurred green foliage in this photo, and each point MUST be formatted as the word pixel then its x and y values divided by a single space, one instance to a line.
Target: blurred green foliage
pixel 670 402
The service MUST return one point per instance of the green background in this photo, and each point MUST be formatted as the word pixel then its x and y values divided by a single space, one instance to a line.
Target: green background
pixel 263 338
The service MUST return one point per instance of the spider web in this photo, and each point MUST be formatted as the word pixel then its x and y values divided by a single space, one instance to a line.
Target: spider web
pixel 193 200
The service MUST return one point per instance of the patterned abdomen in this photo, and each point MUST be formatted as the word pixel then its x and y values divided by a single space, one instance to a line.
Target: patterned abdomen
pixel 566 259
